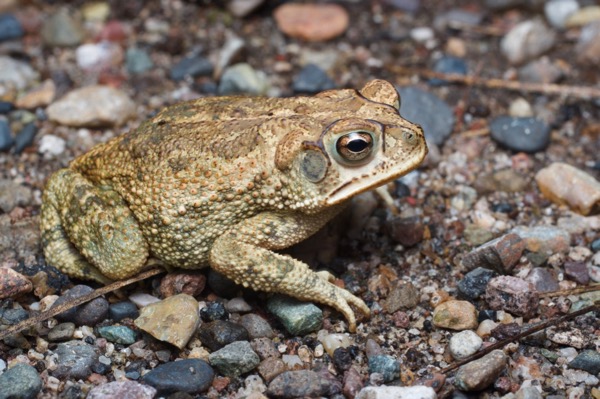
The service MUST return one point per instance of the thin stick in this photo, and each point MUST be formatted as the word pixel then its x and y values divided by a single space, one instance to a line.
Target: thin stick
pixel 544 88
pixel 53 311
pixel 572 291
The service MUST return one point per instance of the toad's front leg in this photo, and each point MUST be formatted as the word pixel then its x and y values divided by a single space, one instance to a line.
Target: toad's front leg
pixel 245 255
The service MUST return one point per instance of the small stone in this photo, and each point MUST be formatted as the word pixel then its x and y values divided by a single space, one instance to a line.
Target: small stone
pixel 61 332
pixel 584 16
pixel 123 310
pixel 542 70
pixel 97 11
pixel 256 326
pixel 520 108
pixel 312 22
pixel 99 56
pixel 192 376
pixel 218 333
pixel 88 314
pixel 567 185
pixel 578 272
pixel 121 389
pixel 21 381
pixel 527 40
pixel 569 337
pixel 505 331
pixel 75 360
pixel 331 342
pixel 500 254
pixel 528 393
pixel 137 60
pixel 12 284
pixel 353 383
pixel 141 300
pixel 25 137
pixel 558 11
pixel 214 311
pixel 342 360
pixel 449 65
pixel 10 27
pixel 6 107
pixel 404 295
pixel 588 360
pixel 237 305
pixel 407 231
pixel 182 283
pixel 464 344
pixel 243 79
pixel 118 334
pixel 387 366
pixel 191 66
pixel 92 106
pixel 39 96
pixel 391 392
pixel 52 146
pixel 301 383
pixel 481 373
pixel 173 320
pixel 422 34
pixel 543 279
pixel 62 29
pixel 235 359
pixel 271 368
pixel 438 122
pixel 455 315
pixel 547 240
pixel 6 138
pixel 298 318
pixel 242 8
pixel 16 73
pixel 474 283
pixel 520 134
pixel 312 79
pixel 513 295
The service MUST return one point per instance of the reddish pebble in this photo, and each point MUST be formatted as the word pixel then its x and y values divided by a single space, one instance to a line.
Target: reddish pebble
pixel 182 283
pixel 578 272
pixel 512 294
pixel 113 31
pixel 13 284
pixel 312 22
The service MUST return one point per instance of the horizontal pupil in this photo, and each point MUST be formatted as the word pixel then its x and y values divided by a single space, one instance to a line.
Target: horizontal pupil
pixel 357 145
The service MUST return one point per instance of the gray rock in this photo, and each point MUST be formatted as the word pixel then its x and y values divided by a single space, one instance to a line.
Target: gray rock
pixel 121 389
pixel 137 60
pixel 243 79
pixel 193 66
pixel 558 11
pixel 481 373
pixel 588 360
pixel 21 381
pixel 123 310
pixel 88 314
pixel 525 134
pixel 527 40
pixel 216 334
pixel 13 194
pixel 10 27
pixel 190 375
pixel 298 318
pixel 235 359
pixel 75 360
pixel 451 65
pixel 385 365
pixel 118 334
pixel 61 332
pixel 437 122
pixel 25 137
pixel 312 79
pixel 301 383
pixel 588 45
pixel 256 326
pixel 404 295
pixel 17 73
pixel 62 29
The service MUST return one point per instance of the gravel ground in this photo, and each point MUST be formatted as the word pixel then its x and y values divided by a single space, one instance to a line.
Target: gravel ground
pixel 496 232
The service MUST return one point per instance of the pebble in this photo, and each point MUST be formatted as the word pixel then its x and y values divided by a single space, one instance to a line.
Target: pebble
pixel 237 305
pixel 99 56
pixel 190 283
pixel 404 295
pixel 10 27
pixel 221 285
pixel 298 318
pixel 464 344
pixel 528 393
pixel 301 383
pixel 243 79
pixel 242 8
pixel 173 320
pixel 422 34
pixel 123 310
pixel 96 12
pixel 500 254
pixel 588 360
pixel 481 373
pixel 88 314
pixel 121 389
pixel 191 66
pixel 51 146
pixel 543 280
pixel 527 40
pixel 577 271
pixel 558 11
pixel 12 284
pixel 389 392
pixel 6 138
pixel 21 381
pixel 192 376
pixel 450 65
pixel 40 96
pixel 118 334
pixel 62 29
pixel 92 106
pixel 61 332
pixel 256 326
pixel 525 134
pixel 438 122
pixel 505 331
pixel 472 286
pixel 312 79
pixel 231 49
pixel 584 16
pixel 214 311
pixel 457 18
pixel 137 60
pixel 16 73
pixel 542 70
pixel 270 368
pixel 141 300
pixel 544 239
pixel 520 108
pixel 235 359
pixel 513 295
pixel 386 365
pixel 455 315
pixel 567 185
pixel 75 360
pixel 342 359
pixel 312 22
pixel 6 107
pixel 25 137
pixel 332 342
pixel 407 231
pixel 567 337
pixel 353 383
pixel 219 333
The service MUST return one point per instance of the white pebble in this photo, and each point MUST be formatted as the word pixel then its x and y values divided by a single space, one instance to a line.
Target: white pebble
pixel 464 344
pixel 51 145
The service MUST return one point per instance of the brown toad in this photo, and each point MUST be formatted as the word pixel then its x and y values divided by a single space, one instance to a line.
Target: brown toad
pixel 226 181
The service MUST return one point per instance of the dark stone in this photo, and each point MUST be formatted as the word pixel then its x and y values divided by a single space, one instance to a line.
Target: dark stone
pixel 543 279
pixel 385 365
pixel 25 137
pixel 6 138
pixel 588 360
pixel 312 79
pixel 500 254
pixel 214 311
pixel 88 314
pixel 513 295
pixel 221 285
pixel 504 331
pixel 448 65
pixel 301 383
pixel 473 284
pixel 406 231
pixel 525 134
pixel 487 314
pixel 189 375
pixel 8 317
pixel 6 107
pixel 342 359
pixel 101 368
pixel 10 27
pixel 191 66
pixel 123 310
pixel 219 333
pixel 21 381
pixel 75 360
pixel 578 272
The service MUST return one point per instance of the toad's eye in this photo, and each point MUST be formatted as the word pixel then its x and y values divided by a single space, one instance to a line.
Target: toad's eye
pixel 355 146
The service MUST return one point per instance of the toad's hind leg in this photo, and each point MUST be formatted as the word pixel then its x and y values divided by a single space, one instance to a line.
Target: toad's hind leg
pixel 89 232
